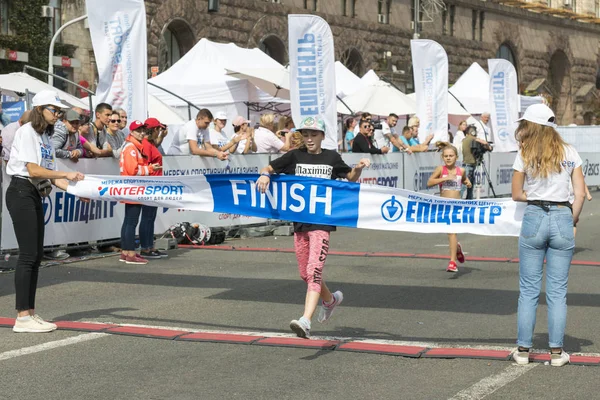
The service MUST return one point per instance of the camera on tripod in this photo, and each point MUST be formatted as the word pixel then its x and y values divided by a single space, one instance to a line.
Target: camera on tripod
pixel 477 149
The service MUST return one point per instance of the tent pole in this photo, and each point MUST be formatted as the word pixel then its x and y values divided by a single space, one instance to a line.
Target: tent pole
pixel 345 105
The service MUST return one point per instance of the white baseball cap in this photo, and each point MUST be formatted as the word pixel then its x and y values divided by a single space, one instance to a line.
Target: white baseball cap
pixel 47 98
pixel 539 114
pixel 221 115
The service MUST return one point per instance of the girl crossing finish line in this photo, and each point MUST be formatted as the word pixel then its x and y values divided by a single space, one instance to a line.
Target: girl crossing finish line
pixel 311 241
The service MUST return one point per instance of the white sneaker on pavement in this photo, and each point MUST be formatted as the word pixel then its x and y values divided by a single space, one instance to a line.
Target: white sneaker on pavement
pixel 326 311
pixel 46 323
pixel 31 325
pixel 558 360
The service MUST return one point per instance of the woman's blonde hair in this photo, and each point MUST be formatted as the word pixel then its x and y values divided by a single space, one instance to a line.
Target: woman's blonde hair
pixel 267 121
pixel 285 122
pixel 413 121
pixel 542 149
pixel 297 140
pixel 441 146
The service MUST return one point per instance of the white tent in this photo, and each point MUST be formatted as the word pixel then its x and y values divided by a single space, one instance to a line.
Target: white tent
pixel 200 76
pixel 369 78
pixel 20 82
pixel 165 114
pixel 456 112
pixel 346 82
pixel 378 98
pixel 472 90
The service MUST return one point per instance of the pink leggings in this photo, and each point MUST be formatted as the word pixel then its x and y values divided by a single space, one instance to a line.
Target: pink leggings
pixel 311 253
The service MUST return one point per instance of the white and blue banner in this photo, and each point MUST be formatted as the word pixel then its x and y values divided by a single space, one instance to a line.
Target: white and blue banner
pixel 312 73
pixel 312 200
pixel 430 71
pixel 504 104
pixel 118 31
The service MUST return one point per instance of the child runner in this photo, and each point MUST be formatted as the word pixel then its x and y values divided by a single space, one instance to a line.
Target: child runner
pixel 450 178
pixel 311 241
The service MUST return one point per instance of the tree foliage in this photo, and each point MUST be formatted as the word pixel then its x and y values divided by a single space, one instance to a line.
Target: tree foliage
pixel 30 33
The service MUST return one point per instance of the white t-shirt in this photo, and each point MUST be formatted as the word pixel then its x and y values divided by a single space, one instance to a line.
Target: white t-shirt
pixel 218 138
pixel 459 136
pixel 30 147
pixel 189 131
pixel 555 187
pixel 241 145
pixel 266 141
pixel 380 139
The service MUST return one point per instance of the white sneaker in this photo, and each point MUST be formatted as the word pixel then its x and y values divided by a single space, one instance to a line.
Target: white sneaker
pixel 301 328
pixel 45 323
pixel 521 357
pixel 31 325
pixel 558 360
pixel 325 312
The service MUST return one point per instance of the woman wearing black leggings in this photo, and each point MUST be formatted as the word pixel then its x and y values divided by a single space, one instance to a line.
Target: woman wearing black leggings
pixel 32 168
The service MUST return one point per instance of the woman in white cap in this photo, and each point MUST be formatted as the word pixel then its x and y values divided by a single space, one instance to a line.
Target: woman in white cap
pixel 32 168
pixel 549 166
pixel 311 241
pixel 219 140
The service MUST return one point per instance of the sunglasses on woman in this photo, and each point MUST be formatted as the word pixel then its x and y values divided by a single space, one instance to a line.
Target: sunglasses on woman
pixel 115 121
pixel 55 111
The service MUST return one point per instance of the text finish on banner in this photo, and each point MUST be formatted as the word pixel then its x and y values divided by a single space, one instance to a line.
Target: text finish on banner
pixel 313 200
pixel 312 73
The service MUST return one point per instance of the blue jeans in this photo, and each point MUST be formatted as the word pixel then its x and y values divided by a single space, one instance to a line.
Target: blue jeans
pixel 470 172
pixel 544 234
pixel 147 227
pixel 132 217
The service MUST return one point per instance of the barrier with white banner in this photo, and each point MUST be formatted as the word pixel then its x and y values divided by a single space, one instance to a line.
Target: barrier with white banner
pixel 69 220
pixel 385 170
pixel 591 168
pixel 500 168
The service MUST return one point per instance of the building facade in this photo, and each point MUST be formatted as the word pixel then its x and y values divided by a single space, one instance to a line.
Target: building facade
pixel 554 45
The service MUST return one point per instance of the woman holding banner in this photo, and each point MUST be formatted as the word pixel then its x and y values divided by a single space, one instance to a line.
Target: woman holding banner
pixel 32 168
pixel 311 241
pixel 549 165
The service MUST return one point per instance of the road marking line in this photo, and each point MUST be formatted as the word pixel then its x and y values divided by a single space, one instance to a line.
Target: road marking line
pixel 490 384
pixel 50 345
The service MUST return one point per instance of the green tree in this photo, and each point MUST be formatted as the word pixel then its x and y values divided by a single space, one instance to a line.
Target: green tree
pixel 29 33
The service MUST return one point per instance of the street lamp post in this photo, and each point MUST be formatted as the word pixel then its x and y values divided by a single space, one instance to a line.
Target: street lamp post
pixel 51 51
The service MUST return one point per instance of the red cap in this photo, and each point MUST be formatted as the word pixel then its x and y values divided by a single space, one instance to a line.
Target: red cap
pixel 136 125
pixel 153 123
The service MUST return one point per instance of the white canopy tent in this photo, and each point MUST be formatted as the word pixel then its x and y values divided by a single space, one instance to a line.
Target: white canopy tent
pixel 346 82
pixel 200 77
pixel 456 112
pixel 378 98
pixel 472 90
pixel 20 82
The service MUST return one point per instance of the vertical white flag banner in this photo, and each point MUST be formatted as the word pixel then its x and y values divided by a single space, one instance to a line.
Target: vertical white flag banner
pixel 312 73
pixel 430 72
pixel 118 31
pixel 504 104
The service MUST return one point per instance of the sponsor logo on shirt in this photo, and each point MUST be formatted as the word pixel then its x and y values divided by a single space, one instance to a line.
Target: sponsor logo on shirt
pixel 314 170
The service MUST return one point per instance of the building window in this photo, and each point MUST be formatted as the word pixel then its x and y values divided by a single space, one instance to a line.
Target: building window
pixel 344 4
pixel 274 47
pixel 306 4
pixel 444 22
pixel 506 53
pixel 481 19
pixel 4 7
pixel 452 14
pixel 177 39
pixel 315 5
pixel 473 25
pixel 352 12
pixel 383 11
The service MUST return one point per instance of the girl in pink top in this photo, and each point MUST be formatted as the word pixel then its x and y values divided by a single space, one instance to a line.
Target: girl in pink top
pixel 450 178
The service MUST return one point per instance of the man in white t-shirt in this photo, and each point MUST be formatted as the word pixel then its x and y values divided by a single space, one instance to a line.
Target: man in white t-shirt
pixel 387 136
pixel 194 138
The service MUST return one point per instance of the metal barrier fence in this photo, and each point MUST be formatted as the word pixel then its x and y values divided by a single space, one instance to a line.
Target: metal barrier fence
pixel 70 221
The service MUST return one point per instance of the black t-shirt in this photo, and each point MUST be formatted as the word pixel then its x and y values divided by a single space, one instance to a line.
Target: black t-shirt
pixel 363 144
pixel 327 165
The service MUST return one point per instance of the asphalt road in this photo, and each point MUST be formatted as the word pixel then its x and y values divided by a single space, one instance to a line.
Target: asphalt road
pixel 386 298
